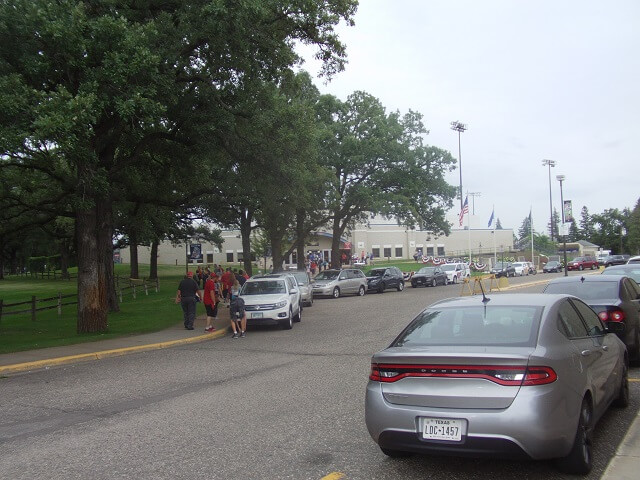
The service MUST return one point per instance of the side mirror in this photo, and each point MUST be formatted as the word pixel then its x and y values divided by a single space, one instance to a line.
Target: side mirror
pixel 615 327
pixel 294 290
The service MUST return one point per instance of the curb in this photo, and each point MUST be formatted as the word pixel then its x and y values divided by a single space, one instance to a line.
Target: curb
pixel 52 362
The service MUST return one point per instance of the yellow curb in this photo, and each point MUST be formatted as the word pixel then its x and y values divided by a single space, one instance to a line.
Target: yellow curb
pixel 51 362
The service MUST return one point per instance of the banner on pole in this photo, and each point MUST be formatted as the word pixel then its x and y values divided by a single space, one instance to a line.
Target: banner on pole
pixel 568 214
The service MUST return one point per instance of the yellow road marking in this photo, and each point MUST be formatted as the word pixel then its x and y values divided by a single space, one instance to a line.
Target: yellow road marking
pixel 333 476
pixel 634 379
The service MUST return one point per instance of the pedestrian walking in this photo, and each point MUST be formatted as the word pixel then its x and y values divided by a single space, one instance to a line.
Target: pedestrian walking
pixel 238 314
pixel 227 282
pixel 210 301
pixel 186 296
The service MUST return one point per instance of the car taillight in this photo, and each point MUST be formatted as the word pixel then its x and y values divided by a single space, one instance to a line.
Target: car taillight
pixel 611 316
pixel 502 375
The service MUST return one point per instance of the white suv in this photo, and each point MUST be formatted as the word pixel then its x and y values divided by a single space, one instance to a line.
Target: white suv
pixel 456 272
pixel 272 300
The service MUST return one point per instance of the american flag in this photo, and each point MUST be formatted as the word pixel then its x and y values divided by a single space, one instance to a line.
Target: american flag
pixel 465 209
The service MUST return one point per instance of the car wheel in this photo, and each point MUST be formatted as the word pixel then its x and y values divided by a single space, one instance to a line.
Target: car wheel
pixel 336 292
pixel 455 280
pixel 361 291
pixel 434 283
pixel 288 323
pixel 298 317
pixel 401 286
pixel 622 400
pixel 413 285
pixel 395 453
pixel 381 288
pixel 580 459
pixel 581 267
pixel 593 267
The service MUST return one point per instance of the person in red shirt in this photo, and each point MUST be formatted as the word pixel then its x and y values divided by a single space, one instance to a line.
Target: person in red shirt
pixel 227 282
pixel 211 301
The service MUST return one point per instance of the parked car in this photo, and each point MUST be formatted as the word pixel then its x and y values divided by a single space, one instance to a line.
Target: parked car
pixel 468 377
pixel 429 276
pixel 379 279
pixel 630 270
pixel 635 259
pixel 503 269
pixel 339 282
pixel 521 268
pixel 272 300
pixel 552 266
pixel 615 260
pixel 456 272
pixel 305 284
pixel 616 300
pixel 580 263
pixel 532 268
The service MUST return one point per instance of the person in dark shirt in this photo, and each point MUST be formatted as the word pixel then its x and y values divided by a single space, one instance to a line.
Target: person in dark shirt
pixel 187 296
pixel 238 315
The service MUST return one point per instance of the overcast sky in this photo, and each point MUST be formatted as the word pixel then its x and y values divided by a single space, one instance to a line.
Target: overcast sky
pixel 533 80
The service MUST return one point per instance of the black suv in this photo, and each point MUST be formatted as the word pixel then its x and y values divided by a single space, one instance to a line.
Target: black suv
pixel 505 269
pixel 379 279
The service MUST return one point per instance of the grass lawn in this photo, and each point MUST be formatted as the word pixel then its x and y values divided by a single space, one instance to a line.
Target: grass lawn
pixel 144 314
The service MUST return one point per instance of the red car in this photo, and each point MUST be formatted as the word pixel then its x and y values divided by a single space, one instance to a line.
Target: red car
pixel 582 263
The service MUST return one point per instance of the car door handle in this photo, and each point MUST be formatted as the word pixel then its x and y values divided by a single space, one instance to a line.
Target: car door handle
pixel 604 347
pixel 585 353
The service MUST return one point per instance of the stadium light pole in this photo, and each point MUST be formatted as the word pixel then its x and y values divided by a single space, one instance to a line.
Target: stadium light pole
pixel 560 178
pixel 550 163
pixel 459 127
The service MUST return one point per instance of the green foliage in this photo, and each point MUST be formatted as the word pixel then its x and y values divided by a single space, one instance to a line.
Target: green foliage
pixel 633 230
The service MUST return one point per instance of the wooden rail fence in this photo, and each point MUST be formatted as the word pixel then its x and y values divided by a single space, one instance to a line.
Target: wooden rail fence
pixel 133 288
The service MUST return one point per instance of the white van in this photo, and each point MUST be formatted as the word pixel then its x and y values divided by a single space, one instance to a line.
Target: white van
pixel 456 272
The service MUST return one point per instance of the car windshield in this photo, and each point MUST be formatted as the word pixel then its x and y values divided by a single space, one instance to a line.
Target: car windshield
pixel 500 265
pixel 265 287
pixel 301 277
pixel 328 275
pixel 586 290
pixel 632 271
pixel 376 272
pixel 448 267
pixel 552 264
pixel 427 270
pixel 498 325
pixel 578 259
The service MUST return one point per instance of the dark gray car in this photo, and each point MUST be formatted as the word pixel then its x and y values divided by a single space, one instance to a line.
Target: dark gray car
pixel 380 279
pixel 519 375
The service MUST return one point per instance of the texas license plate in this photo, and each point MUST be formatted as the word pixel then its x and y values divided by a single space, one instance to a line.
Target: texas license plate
pixel 256 315
pixel 448 429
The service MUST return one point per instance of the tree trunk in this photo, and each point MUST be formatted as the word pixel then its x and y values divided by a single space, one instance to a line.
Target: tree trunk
pixel 153 261
pixel 105 247
pixel 133 247
pixel 64 258
pixel 92 305
pixel 1 258
pixel 245 233
pixel 300 237
pixel 276 252
pixel 335 244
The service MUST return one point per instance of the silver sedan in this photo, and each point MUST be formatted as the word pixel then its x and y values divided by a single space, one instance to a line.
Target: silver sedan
pixel 513 376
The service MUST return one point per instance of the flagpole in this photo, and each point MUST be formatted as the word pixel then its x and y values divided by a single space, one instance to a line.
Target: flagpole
pixel 495 250
pixel 469 229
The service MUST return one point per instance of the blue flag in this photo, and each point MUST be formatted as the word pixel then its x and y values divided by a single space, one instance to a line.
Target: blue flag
pixel 491 218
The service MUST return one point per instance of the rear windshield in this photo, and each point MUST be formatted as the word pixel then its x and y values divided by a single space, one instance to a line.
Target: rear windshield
pixel 586 290
pixel 376 273
pixel 448 267
pixel 497 326
pixel 327 275
pixel 632 271
pixel 263 287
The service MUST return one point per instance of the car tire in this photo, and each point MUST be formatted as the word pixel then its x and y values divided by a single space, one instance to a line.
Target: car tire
pixel 593 267
pixel 381 288
pixel 335 293
pixel 288 323
pixel 434 283
pixel 622 400
pixel 298 317
pixel 455 280
pixel 581 267
pixel 361 291
pixel 580 458
pixel 401 286
pixel 395 453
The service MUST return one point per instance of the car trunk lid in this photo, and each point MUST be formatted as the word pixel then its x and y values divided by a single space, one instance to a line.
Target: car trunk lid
pixel 485 377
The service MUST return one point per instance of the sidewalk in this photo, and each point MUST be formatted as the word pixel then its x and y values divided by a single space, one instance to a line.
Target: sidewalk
pixel 177 335
pixel 625 464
